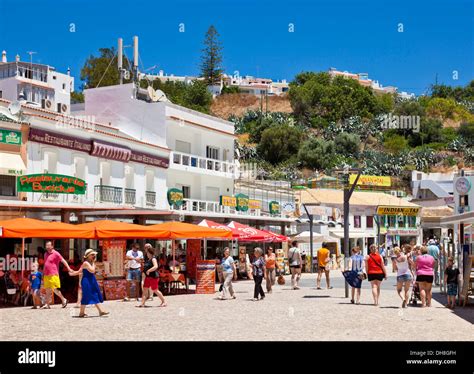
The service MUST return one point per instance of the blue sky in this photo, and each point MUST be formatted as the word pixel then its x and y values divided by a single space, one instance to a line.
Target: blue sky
pixel 358 36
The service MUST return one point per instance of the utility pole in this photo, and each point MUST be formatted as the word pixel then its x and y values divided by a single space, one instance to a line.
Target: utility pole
pixel 348 190
pixel 311 220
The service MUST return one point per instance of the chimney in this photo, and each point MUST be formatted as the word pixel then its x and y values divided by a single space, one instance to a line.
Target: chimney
pixel 69 71
pixel 4 56
pixel 17 58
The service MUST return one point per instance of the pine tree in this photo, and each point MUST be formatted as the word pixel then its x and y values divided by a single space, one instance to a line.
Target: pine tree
pixel 211 59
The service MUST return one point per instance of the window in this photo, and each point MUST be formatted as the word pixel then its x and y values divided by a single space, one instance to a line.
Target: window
pixel 150 180
pixel 64 86
pixel 212 152
pixel 1 94
pixel 186 192
pixel 129 177
pixel 411 221
pixel 7 185
pixel 370 222
pixel 50 162
pixel 105 173
pixel 391 221
pixel 80 167
pixel 357 224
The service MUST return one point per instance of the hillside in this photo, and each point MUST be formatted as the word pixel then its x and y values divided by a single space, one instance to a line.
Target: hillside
pixel 238 104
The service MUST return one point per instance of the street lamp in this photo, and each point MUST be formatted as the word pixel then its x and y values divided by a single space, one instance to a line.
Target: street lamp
pixel 348 190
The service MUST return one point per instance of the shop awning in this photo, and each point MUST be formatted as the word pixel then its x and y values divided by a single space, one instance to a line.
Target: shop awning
pixel 180 230
pixel 11 164
pixel 317 237
pixel 277 238
pixel 108 229
pixel 33 228
pixel 246 233
pixel 339 234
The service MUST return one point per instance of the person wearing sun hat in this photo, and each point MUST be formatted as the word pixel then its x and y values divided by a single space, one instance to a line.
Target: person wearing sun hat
pixel 91 294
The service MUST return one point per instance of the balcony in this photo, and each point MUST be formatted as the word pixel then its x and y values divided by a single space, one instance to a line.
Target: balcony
pixel 204 206
pixel 130 196
pixel 150 198
pixel 193 163
pixel 108 194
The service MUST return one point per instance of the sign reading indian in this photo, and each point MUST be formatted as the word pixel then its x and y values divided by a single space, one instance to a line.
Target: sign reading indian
pixel 371 180
pixel 397 210
pixel 51 183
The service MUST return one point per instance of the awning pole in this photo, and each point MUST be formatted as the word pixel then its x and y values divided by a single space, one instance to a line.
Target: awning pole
pixel 22 257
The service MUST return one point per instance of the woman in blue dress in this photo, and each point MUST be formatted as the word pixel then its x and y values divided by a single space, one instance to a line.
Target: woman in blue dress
pixel 91 294
pixel 355 275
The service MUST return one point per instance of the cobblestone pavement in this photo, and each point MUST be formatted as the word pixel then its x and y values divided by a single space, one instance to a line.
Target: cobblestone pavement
pixel 305 314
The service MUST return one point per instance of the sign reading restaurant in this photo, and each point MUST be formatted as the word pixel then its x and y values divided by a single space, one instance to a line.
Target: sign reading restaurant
pixel 397 210
pixel 51 183
pixel 97 148
pixel 371 180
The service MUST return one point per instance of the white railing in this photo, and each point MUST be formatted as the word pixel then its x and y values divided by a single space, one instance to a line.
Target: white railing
pixel 205 206
pixel 202 164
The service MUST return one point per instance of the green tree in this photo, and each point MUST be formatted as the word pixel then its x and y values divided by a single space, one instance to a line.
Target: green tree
pixel 347 144
pixel 101 69
pixel 466 131
pixel 211 60
pixel 431 131
pixel 279 143
pixel 317 99
pixel 395 143
pixel 77 97
pixel 317 153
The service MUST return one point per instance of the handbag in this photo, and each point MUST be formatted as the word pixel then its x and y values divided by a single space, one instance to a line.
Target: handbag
pixel 281 280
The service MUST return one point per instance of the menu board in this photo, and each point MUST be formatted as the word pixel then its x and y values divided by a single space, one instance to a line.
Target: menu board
pixel 117 289
pixel 113 251
pixel 205 276
pixel 193 254
pixel 280 260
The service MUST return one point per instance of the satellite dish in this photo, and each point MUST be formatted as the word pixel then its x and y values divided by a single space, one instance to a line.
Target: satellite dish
pixel 156 95
pixel 14 108
pixel 6 112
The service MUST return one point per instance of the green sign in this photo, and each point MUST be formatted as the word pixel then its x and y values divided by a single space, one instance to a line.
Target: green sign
pixel 242 202
pixel 51 183
pixel 10 137
pixel 274 207
pixel 175 197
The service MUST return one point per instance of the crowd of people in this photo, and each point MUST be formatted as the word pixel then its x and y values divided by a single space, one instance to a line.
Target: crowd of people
pixel 417 268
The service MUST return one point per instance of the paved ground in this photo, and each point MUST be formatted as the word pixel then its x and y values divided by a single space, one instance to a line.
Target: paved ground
pixel 305 314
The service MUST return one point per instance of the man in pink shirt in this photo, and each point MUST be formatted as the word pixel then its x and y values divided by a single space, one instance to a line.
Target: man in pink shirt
pixel 52 258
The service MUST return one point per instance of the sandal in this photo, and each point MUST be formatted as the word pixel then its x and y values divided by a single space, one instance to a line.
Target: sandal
pixel 103 314
pixel 65 304
pixel 139 306
pixel 163 305
pixel 82 315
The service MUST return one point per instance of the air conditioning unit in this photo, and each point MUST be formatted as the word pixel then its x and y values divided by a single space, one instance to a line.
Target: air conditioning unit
pixel 393 193
pixel 46 104
pixel 400 194
pixel 62 108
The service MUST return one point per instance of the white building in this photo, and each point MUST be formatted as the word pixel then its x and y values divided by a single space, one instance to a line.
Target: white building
pixel 394 230
pixel 40 85
pixel 256 86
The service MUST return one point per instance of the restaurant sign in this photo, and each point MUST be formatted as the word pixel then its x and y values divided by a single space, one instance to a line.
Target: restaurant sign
pixel 255 204
pixel 371 180
pixel 403 232
pixel 175 197
pixel 51 183
pixel 397 210
pixel 10 137
pixel 228 201
pixel 242 202
pixel 97 148
pixel 274 207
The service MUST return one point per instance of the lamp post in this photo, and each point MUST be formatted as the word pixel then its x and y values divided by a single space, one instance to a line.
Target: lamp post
pixel 311 220
pixel 348 190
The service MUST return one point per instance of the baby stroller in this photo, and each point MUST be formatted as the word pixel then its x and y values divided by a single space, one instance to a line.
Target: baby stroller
pixel 415 293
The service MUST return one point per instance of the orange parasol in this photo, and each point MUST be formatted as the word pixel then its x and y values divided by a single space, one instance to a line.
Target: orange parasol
pixel 107 229
pixel 33 228
pixel 179 230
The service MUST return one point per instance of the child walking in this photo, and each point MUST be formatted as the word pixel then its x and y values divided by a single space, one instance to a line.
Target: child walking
pixel 35 286
pixel 451 278
pixel 91 294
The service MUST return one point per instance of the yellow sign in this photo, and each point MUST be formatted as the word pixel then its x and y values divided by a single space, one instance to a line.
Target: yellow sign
pixel 228 201
pixel 397 210
pixel 255 204
pixel 371 180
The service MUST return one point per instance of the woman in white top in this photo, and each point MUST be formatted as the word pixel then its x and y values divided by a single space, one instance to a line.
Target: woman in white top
pixel 404 276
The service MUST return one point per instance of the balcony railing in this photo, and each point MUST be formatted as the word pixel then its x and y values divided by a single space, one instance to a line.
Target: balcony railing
pixel 204 206
pixel 108 194
pixel 130 196
pixel 197 163
pixel 150 198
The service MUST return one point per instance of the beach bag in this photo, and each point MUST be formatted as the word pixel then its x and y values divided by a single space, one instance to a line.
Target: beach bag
pixel 281 280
